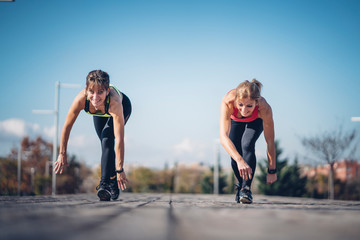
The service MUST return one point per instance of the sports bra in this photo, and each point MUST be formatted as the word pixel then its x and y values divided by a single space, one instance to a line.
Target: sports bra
pixel 253 116
pixel 107 104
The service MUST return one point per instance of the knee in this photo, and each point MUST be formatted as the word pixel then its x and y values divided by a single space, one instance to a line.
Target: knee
pixel 107 143
pixel 247 147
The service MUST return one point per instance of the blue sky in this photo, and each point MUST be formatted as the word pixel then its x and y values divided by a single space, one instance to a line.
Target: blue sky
pixel 176 60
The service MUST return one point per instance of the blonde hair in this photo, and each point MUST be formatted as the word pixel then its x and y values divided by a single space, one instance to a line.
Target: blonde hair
pixel 248 89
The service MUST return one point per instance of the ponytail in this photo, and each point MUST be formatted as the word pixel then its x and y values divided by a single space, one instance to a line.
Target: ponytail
pixel 248 89
pixel 257 83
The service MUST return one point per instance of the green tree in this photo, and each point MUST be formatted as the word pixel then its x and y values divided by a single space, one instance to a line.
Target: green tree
pixel 188 180
pixel 292 184
pixel 289 182
pixel 36 170
pixel 207 183
pixel 71 180
pixel 8 177
pixel 142 179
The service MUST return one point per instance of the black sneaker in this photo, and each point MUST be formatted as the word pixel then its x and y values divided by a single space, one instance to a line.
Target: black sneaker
pixel 245 195
pixel 114 189
pixel 237 196
pixel 104 192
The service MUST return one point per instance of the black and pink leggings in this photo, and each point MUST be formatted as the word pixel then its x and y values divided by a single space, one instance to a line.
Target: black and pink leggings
pixel 105 130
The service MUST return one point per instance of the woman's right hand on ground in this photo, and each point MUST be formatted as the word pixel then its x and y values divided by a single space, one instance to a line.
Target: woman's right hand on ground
pixel 122 180
pixel 60 163
pixel 244 170
pixel 271 178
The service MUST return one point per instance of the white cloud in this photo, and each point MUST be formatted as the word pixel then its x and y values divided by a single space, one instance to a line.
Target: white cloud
pixel 35 127
pixel 84 142
pixel 189 147
pixel 13 127
pixel 86 148
pixel 78 141
pixel 13 130
pixel 49 131
pixel 18 128
pixel 184 146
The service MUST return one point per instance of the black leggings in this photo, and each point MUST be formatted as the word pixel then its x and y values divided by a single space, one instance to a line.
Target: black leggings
pixel 105 130
pixel 244 136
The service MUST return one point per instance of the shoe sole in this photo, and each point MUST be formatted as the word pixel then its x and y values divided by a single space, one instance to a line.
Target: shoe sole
pixel 115 198
pixel 104 195
pixel 245 201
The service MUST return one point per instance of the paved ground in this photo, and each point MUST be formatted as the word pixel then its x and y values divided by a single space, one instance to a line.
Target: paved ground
pixel 165 216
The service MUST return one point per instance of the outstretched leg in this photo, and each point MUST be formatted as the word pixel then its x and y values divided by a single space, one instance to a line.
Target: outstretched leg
pixel 105 131
pixel 236 131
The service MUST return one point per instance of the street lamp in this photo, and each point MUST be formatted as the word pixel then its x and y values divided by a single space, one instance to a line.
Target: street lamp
pixel 56 113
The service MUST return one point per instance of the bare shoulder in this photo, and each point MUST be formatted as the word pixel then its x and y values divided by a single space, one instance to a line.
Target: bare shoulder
pixel 79 100
pixel 264 108
pixel 227 104
pixel 229 98
pixel 115 97
pixel 81 95
pixel 115 103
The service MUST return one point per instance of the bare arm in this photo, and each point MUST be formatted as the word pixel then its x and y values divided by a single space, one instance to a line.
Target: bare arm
pixel 119 139
pixel 225 125
pixel 116 111
pixel 269 134
pixel 76 107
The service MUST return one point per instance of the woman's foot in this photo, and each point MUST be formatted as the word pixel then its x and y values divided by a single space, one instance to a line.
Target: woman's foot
pixel 104 192
pixel 114 188
pixel 245 195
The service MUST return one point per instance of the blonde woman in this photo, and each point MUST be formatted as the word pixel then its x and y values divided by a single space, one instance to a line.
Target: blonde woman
pixel 244 116
pixel 110 109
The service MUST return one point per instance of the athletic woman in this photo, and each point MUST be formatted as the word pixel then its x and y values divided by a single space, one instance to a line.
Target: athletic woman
pixel 244 115
pixel 110 109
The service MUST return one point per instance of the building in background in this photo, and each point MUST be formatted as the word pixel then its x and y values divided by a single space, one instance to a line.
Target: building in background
pixel 345 170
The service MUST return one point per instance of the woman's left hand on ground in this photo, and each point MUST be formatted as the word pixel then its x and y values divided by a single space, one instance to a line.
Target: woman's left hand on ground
pixel 271 178
pixel 122 180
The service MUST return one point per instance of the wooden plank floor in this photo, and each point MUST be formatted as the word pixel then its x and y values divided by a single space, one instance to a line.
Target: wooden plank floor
pixel 177 216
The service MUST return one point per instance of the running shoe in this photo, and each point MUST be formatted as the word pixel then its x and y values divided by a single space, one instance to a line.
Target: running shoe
pixel 245 195
pixel 103 191
pixel 114 189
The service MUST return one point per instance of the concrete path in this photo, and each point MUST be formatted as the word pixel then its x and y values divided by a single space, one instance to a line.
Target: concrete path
pixel 179 216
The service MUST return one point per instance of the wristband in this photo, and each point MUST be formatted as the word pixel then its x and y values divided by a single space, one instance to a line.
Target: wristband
pixel 271 171
pixel 119 171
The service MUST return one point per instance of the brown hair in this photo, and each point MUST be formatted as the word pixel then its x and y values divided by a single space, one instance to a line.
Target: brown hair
pixel 99 78
pixel 248 89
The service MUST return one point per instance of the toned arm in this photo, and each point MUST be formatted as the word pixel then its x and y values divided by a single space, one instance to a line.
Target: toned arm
pixel 225 125
pixel 116 111
pixel 75 108
pixel 265 112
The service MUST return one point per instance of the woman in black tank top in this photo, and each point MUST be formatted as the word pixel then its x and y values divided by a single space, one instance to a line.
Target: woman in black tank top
pixel 110 109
